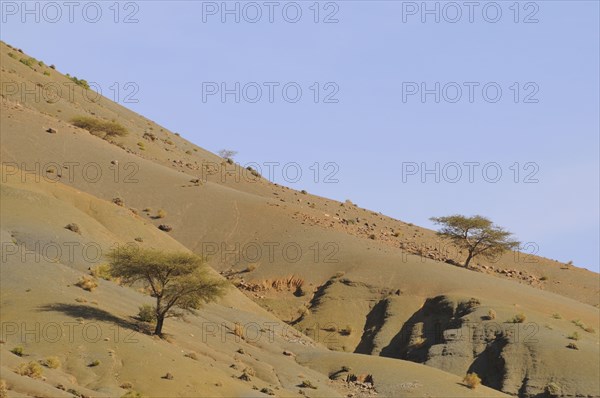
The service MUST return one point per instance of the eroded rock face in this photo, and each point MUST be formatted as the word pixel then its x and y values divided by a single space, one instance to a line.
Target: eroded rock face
pixel 456 335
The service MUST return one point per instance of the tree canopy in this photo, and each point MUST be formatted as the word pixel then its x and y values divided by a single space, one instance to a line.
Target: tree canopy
pixel 477 234
pixel 178 280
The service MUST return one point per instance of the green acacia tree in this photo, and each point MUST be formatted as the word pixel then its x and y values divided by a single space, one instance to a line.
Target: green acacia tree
pixel 178 281
pixel 477 234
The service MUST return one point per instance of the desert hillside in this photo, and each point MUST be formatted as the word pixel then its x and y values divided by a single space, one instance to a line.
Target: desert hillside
pixel 346 299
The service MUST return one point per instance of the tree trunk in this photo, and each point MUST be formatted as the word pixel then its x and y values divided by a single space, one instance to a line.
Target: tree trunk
pixel 469 258
pixel 159 325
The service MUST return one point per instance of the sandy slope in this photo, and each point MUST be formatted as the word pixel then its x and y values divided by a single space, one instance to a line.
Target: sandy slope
pixel 357 269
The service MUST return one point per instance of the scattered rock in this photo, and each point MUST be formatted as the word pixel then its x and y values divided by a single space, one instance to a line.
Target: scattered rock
pixel 288 353
pixel 73 227
pixel 118 201
pixel 51 131
pixel 168 376
pixel 165 227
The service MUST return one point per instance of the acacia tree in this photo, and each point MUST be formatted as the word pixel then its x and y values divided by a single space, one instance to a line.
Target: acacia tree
pixel 477 234
pixel 227 153
pixel 178 281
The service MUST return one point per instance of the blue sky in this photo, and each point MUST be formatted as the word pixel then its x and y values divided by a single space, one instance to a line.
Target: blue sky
pixel 366 126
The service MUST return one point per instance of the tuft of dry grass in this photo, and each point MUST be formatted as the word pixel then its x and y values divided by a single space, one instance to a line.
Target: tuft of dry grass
pixel 51 362
pixel 31 369
pixel 18 351
pixel 238 330
pixel 161 213
pixel 87 283
pixel 472 380
pixel 101 271
pixel 519 318
pixel 491 314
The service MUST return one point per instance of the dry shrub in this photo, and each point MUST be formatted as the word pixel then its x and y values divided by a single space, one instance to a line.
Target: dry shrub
pixel 18 351
pixel 472 380
pixel 519 318
pixel 87 283
pixel 238 330
pixel 147 313
pixel 161 213
pixel 287 282
pixel 97 127
pixel 3 389
pixel 491 314
pixel 51 362
pixel 31 369
pixel 101 271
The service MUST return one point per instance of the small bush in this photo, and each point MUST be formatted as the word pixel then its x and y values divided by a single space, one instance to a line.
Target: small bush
pixel 472 380
pixel 52 66
pixel 97 126
pixel 46 73
pixel 161 213
pixel 51 362
pixel 251 267
pixel 556 315
pixel 573 336
pixel 101 271
pixel 80 82
pixel 31 369
pixel 12 55
pixel 18 351
pixel 87 283
pixel 28 61
pixel 491 314
pixel 94 363
pixel 589 329
pixel 3 389
pixel 572 346
pixel 238 330
pixel 147 313
pixel 544 278
pixel 519 318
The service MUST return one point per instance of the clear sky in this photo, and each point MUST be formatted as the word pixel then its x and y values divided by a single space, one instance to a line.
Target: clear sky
pixel 518 94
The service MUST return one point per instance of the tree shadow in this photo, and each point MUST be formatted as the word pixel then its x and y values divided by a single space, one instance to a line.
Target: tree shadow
pixel 96 314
